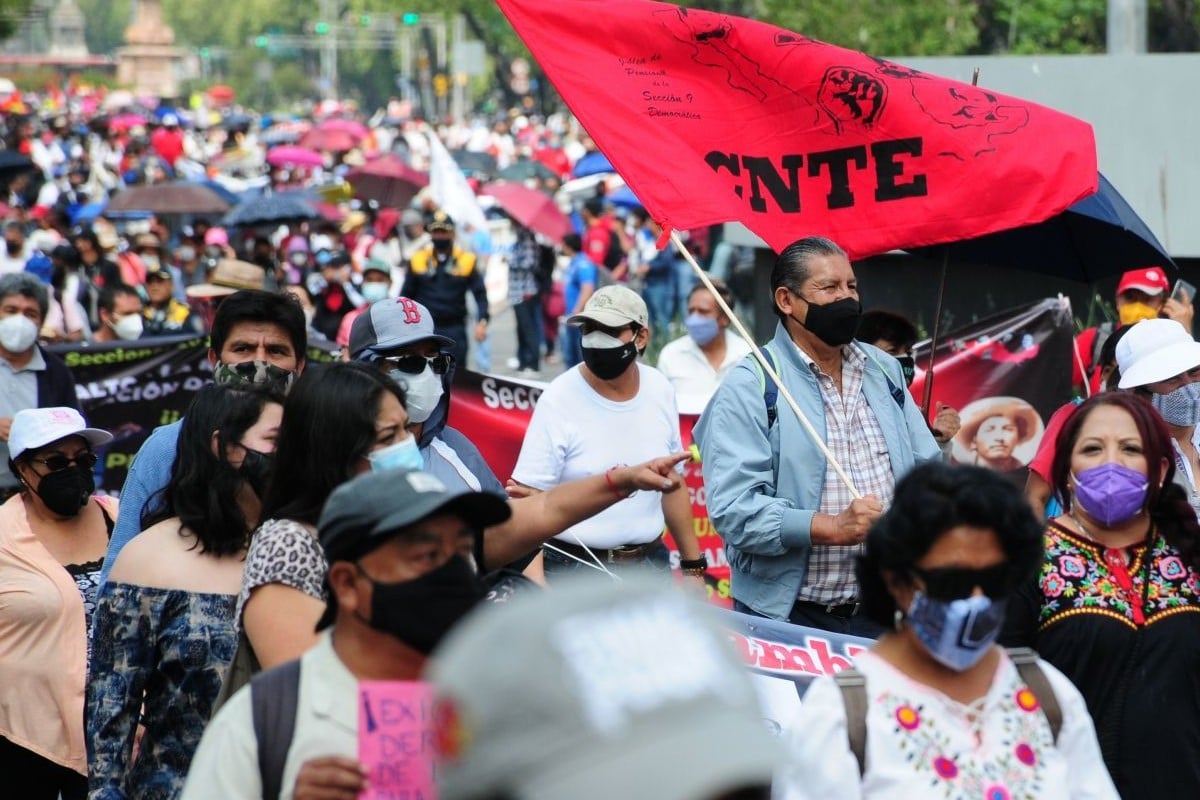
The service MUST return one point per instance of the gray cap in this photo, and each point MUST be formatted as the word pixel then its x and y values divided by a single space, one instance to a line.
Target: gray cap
pixel 613 307
pixel 594 691
pixel 390 324
pixel 362 513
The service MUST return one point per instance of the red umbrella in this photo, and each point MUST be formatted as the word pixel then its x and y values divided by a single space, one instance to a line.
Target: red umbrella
pixel 222 94
pixel 388 181
pixel 296 156
pixel 531 208
pixel 555 159
pixel 333 140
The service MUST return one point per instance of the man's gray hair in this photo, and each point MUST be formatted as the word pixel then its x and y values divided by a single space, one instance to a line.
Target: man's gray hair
pixel 793 265
pixel 26 285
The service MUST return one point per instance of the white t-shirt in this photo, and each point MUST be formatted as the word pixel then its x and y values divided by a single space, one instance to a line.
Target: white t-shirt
pixel 576 433
pixel 688 370
pixel 921 744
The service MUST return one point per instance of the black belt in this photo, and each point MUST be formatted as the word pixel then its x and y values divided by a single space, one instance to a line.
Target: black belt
pixel 840 610
pixel 615 555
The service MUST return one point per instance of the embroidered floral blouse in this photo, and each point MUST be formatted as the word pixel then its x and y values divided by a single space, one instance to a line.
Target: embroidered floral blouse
pixel 922 745
pixel 1125 629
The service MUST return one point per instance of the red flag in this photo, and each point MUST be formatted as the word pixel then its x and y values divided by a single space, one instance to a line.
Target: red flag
pixel 712 118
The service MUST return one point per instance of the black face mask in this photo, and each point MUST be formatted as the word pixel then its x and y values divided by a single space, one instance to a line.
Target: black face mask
pixel 66 491
pixel 443 245
pixel 13 248
pixel 421 611
pixel 908 366
pixel 833 323
pixel 608 363
pixel 256 468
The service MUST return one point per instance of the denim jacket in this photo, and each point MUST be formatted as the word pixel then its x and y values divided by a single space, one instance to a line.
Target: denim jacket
pixel 764 484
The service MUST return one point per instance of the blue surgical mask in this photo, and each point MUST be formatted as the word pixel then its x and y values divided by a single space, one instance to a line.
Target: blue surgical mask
pixel 702 329
pixel 373 291
pixel 404 454
pixel 1180 407
pixel 957 633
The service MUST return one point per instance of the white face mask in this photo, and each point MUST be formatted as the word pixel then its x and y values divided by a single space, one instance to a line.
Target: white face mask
pixel 422 392
pixel 128 326
pixel 599 340
pixel 17 333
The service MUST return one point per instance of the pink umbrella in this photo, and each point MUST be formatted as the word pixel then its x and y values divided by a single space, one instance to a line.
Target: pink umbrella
pixel 352 127
pixel 387 180
pixel 125 121
pixel 295 156
pixel 333 140
pixel 531 208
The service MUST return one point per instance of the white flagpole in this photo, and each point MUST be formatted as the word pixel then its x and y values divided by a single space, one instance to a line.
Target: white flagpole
pixel 767 368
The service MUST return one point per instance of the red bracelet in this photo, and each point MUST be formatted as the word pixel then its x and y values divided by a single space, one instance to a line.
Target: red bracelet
pixel 612 486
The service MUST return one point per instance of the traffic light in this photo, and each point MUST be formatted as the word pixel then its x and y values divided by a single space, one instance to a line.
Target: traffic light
pixel 321 28
pixel 205 52
pixel 410 18
pixel 260 41
pixel 365 20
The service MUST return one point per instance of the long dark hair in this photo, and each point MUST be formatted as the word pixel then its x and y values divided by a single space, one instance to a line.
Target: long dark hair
pixel 930 500
pixel 204 487
pixel 328 425
pixel 1166 501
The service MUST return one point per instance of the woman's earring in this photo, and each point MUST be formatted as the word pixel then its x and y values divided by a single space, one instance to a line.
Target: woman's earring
pixel 897 619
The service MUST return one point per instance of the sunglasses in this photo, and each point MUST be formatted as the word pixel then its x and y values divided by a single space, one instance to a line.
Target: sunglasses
pixel 956 583
pixel 415 364
pixel 58 462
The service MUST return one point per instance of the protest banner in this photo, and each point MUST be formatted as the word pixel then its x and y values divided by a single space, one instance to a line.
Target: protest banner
pixel 1016 363
pixel 130 388
pixel 395 740
pixel 711 118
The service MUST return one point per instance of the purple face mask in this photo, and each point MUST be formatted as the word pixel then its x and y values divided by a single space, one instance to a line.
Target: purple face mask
pixel 1110 493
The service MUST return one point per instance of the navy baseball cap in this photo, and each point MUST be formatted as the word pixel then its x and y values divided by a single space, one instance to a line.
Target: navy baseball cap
pixel 390 324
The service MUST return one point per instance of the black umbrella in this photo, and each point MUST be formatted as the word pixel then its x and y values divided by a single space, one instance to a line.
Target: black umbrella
pixel 278 208
pixel 1095 237
pixel 1098 236
pixel 526 170
pixel 472 161
pixel 13 164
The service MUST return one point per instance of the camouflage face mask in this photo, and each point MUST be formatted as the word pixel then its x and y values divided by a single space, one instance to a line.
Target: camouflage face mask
pixel 258 373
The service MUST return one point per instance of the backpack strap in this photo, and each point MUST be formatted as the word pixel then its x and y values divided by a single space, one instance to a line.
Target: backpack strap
pixel 770 390
pixel 853 687
pixel 1026 662
pixel 274 696
pixel 895 391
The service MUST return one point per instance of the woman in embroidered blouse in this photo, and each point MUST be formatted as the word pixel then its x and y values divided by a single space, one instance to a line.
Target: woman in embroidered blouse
pixel 164 634
pixel 53 535
pixel 948 714
pixel 1117 604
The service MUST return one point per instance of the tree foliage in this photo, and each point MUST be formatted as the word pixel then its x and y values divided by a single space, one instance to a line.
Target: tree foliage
pixel 881 27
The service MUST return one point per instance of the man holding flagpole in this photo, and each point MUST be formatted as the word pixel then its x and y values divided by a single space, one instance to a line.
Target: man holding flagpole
pixel 793 528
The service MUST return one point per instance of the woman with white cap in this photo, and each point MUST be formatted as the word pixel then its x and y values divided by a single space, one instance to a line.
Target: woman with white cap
pixel 1160 361
pixel 53 536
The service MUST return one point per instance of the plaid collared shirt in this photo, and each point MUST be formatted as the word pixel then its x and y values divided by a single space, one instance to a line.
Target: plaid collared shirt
pixel 522 263
pixel 854 436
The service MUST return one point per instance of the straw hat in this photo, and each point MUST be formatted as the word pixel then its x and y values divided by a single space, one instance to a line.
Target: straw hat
pixel 1023 415
pixel 230 276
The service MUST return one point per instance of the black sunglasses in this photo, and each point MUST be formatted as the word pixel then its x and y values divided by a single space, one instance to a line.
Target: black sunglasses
pixel 957 583
pixel 59 462
pixel 415 364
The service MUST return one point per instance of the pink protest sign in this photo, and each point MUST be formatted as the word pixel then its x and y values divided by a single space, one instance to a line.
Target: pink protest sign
pixel 395 739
